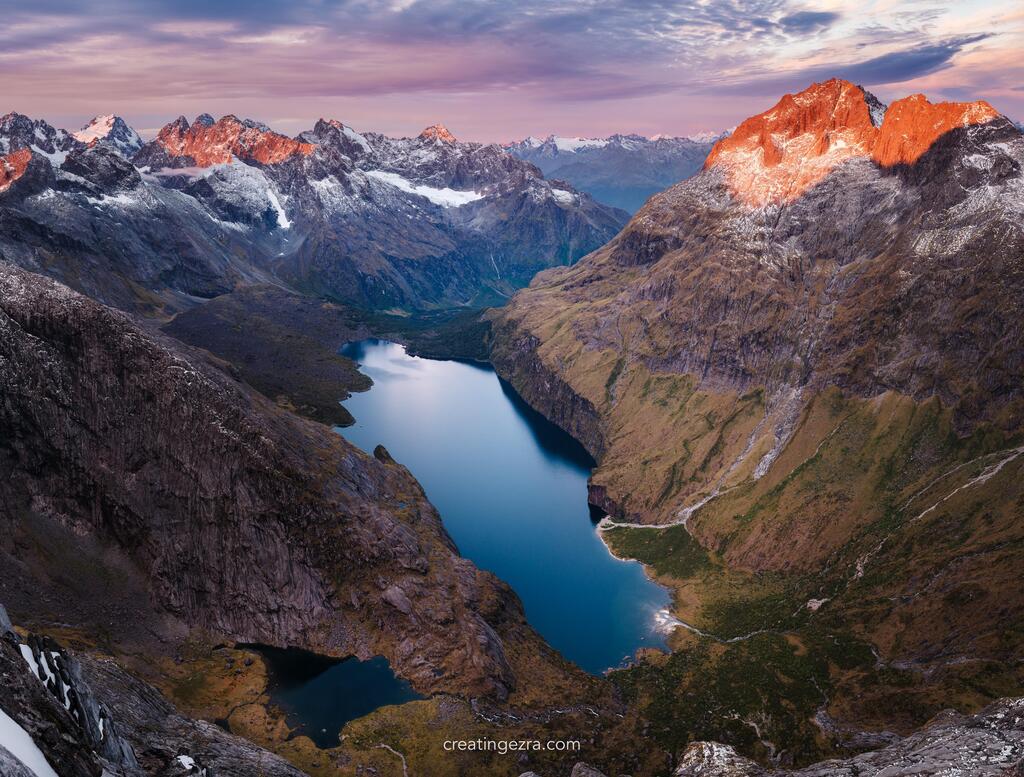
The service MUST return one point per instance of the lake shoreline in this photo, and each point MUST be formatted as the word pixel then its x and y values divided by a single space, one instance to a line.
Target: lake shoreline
pixel 494 443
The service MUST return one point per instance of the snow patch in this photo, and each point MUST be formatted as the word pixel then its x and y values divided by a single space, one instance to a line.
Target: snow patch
pixel 18 743
pixel 979 161
pixel 26 653
pixel 282 217
pixel 447 198
pixel 354 136
pixel 98 128
pixel 56 158
pixel 563 197
pixel 123 199
pixel 877 112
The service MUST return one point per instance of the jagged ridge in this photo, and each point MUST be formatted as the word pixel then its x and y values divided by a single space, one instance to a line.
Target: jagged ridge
pixel 778 155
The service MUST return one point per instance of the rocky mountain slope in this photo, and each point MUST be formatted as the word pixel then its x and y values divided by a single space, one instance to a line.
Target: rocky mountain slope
pixel 223 513
pixel 158 516
pixel 621 170
pixel 806 362
pixel 373 221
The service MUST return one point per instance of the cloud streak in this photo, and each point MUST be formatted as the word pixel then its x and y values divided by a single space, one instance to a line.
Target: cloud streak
pixel 489 68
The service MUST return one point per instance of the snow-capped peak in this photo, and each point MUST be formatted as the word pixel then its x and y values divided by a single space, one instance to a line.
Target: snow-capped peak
pixel 707 136
pixel 99 127
pixel 572 145
pixel 111 131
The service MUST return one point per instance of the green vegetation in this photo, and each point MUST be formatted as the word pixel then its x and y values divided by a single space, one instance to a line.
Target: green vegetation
pixel 672 552
pixel 759 695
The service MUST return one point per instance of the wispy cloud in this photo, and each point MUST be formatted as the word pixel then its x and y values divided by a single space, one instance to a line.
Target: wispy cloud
pixel 490 68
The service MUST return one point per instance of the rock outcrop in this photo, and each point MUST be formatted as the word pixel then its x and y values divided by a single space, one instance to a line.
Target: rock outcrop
pixel 13 166
pixel 438 132
pixel 989 744
pixel 88 717
pixel 207 142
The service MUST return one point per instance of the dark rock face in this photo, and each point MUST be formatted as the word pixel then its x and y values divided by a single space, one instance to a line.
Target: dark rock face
pixel 989 744
pixel 381 223
pixel 241 518
pixel 107 171
pixel 514 356
pixel 622 170
pixel 111 723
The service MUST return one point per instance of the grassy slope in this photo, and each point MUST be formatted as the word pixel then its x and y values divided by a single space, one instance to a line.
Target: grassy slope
pixel 939 600
pixel 934 620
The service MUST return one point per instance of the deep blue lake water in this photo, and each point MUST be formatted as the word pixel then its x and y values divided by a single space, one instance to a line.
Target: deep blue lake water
pixel 512 492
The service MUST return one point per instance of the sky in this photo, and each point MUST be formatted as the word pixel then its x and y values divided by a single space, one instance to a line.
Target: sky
pixel 493 70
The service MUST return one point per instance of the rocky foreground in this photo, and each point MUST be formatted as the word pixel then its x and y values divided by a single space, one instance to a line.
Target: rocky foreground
pixel 87 716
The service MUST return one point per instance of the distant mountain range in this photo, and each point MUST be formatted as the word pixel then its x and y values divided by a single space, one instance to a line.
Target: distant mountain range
pixel 620 170
pixel 376 222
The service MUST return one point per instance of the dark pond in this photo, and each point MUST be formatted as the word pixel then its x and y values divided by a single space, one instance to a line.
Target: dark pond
pixel 319 695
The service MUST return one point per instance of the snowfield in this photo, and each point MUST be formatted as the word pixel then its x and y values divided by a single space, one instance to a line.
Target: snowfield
pixel 446 198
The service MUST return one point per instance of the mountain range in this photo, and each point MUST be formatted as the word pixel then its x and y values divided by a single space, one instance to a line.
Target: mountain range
pixel 620 170
pixel 377 222
pixel 799 371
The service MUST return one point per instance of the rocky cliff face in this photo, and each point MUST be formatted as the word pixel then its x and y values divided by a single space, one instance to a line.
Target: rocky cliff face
pixel 223 512
pixel 808 360
pixel 378 222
